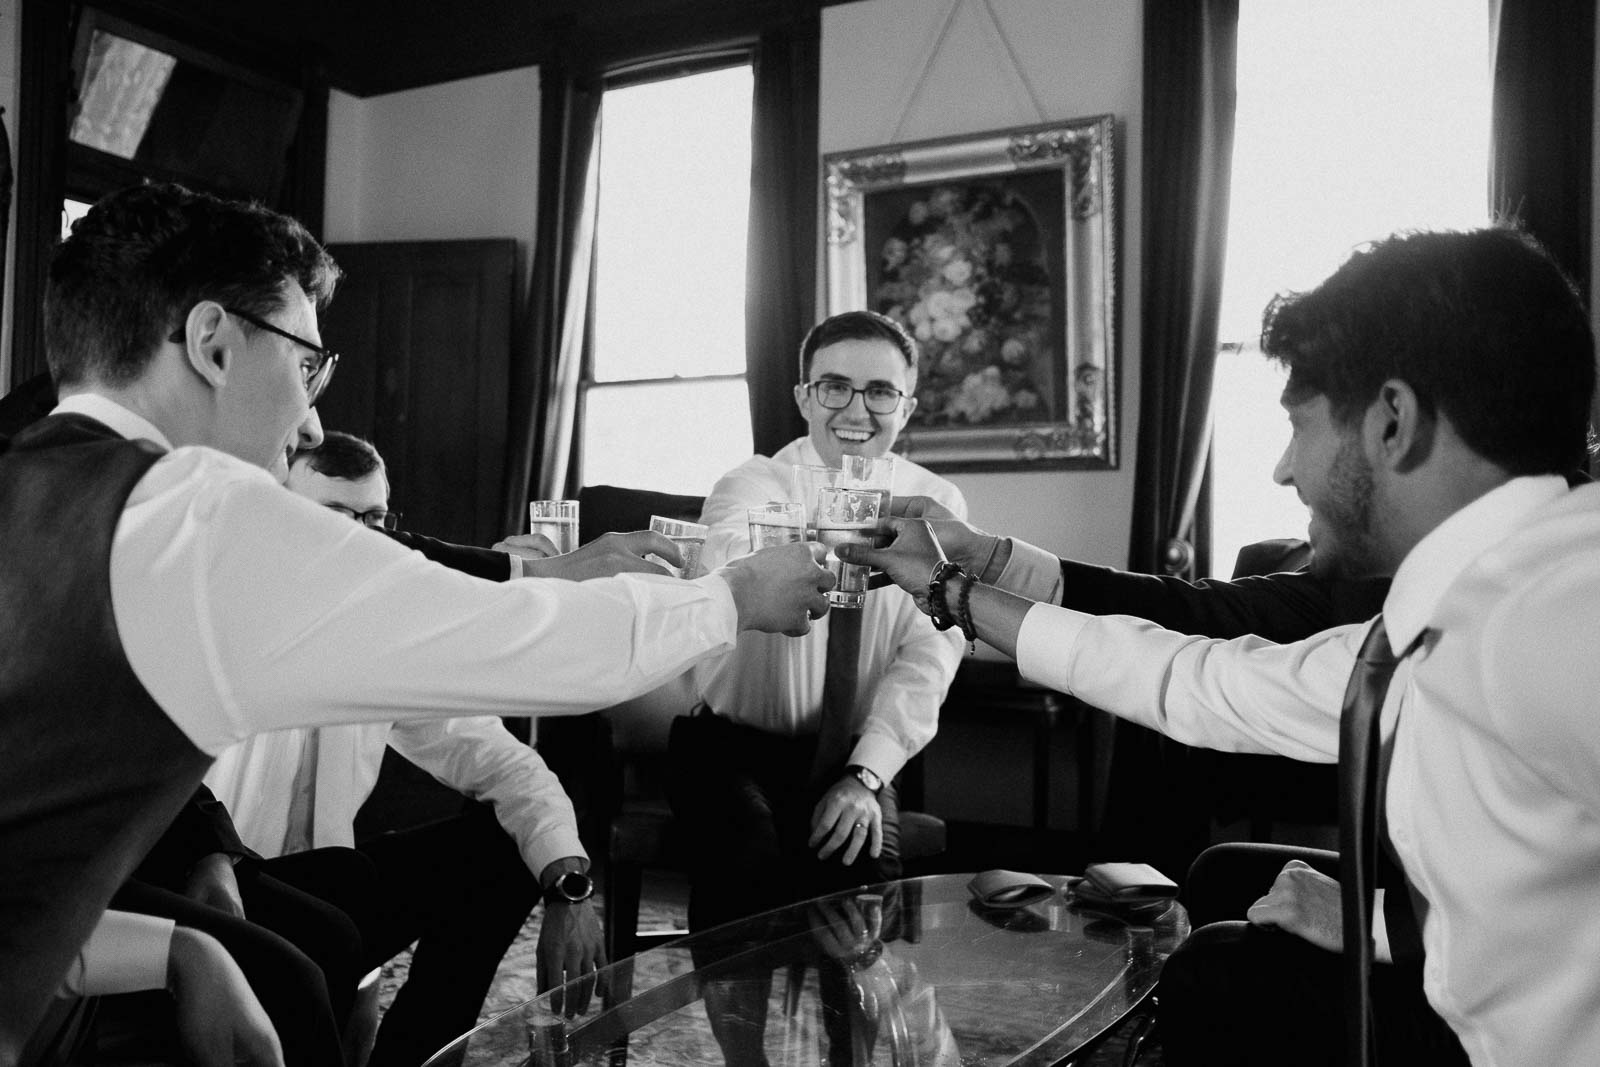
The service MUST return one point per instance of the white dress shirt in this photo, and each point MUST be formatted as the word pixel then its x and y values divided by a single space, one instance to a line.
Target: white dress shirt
pixel 475 756
pixel 1493 797
pixel 244 608
pixel 775 683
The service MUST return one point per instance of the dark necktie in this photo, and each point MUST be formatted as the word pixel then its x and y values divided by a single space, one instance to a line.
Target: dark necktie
pixel 838 696
pixel 1359 805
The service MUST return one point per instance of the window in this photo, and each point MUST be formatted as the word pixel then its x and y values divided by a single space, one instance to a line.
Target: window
pixel 1355 118
pixel 665 404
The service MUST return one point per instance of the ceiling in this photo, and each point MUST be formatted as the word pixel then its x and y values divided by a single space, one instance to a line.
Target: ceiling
pixel 367 47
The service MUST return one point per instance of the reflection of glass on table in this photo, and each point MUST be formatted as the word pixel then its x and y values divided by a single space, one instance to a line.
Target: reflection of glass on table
pixel 847 516
pixel 1031 985
pixel 690 537
pixel 557 520
pixel 775 523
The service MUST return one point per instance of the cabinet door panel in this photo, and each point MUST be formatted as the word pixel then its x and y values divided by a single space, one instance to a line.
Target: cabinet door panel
pixel 424 329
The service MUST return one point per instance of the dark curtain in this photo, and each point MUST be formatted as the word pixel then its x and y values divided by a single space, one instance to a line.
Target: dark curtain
pixel 555 314
pixel 1542 129
pixel 1189 52
pixel 780 275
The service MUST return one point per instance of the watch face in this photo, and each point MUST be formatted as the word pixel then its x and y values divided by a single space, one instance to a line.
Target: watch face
pixel 574 886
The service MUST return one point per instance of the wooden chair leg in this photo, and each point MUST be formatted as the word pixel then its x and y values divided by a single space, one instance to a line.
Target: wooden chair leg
pixel 623 882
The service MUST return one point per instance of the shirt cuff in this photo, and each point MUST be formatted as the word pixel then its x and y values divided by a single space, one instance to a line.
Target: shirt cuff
pixel 1046 644
pixel 126 953
pixel 1032 572
pixel 879 755
pixel 517 570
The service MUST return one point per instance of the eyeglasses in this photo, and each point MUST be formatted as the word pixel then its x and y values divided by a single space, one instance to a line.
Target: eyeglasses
pixel 834 394
pixel 317 375
pixel 381 518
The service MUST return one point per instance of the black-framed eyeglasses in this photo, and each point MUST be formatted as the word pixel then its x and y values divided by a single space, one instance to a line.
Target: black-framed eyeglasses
pixel 317 375
pixel 382 518
pixel 834 394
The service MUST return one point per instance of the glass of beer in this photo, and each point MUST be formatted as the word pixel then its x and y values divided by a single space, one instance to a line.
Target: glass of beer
pixel 776 523
pixel 557 520
pixel 847 516
pixel 690 537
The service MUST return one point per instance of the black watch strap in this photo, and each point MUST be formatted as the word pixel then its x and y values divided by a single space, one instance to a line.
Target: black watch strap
pixel 866 777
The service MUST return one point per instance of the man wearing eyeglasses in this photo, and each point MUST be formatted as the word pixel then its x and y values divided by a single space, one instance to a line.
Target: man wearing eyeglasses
pixel 163 597
pixel 765 829
pixel 460 887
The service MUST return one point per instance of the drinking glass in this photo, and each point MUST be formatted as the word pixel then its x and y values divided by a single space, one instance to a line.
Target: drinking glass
pixel 775 523
pixel 690 537
pixel 557 520
pixel 847 516
pixel 807 480
pixel 872 472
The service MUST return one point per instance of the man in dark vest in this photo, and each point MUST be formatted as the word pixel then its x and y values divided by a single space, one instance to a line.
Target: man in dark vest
pixel 162 596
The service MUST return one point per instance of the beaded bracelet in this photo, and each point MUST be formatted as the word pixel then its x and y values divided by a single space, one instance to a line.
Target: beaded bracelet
pixel 938 610
pixel 964 613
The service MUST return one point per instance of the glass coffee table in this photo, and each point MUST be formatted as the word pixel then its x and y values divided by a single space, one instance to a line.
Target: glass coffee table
pixel 911 972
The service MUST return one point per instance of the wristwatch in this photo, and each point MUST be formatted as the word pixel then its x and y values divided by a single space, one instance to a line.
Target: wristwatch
pixel 572 887
pixel 865 777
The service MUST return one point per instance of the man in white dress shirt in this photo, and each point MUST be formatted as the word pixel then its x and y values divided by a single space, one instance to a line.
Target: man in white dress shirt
pixel 1439 389
pixel 464 885
pixel 764 830
pixel 175 599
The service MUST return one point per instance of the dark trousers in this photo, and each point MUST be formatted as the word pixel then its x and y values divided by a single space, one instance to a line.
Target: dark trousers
pixel 457 887
pixel 300 954
pixel 744 798
pixel 1241 994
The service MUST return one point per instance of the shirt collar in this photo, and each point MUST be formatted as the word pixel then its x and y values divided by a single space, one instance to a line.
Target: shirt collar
pixel 105 410
pixel 1431 567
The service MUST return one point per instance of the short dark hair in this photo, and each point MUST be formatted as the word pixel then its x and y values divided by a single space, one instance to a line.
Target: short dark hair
pixel 1483 325
pixel 143 256
pixel 856 326
pixel 341 455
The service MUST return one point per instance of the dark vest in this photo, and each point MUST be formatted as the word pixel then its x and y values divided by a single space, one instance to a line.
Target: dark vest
pixel 91 769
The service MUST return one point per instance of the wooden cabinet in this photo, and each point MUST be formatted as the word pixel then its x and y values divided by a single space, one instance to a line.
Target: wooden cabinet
pixel 423 329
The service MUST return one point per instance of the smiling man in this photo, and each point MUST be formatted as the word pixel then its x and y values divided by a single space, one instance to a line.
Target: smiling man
pixel 1439 393
pixel 765 828
pixel 162 596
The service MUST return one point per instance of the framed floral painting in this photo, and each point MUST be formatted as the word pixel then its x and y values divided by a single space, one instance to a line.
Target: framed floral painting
pixel 997 251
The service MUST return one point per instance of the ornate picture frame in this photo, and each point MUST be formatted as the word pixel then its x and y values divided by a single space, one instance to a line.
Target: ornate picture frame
pixel 998 252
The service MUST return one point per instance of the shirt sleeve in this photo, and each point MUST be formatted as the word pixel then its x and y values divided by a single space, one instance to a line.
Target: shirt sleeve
pixel 1239 695
pixel 244 608
pixel 1031 572
pixel 126 953
pixel 481 759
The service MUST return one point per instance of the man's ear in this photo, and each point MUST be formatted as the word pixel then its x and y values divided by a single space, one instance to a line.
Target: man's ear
pixel 209 342
pixel 1399 432
pixel 801 395
pixel 908 404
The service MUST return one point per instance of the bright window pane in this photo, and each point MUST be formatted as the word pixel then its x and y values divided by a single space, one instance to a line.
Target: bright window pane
pixel 670 242
pixel 675 437
pixel 1356 118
